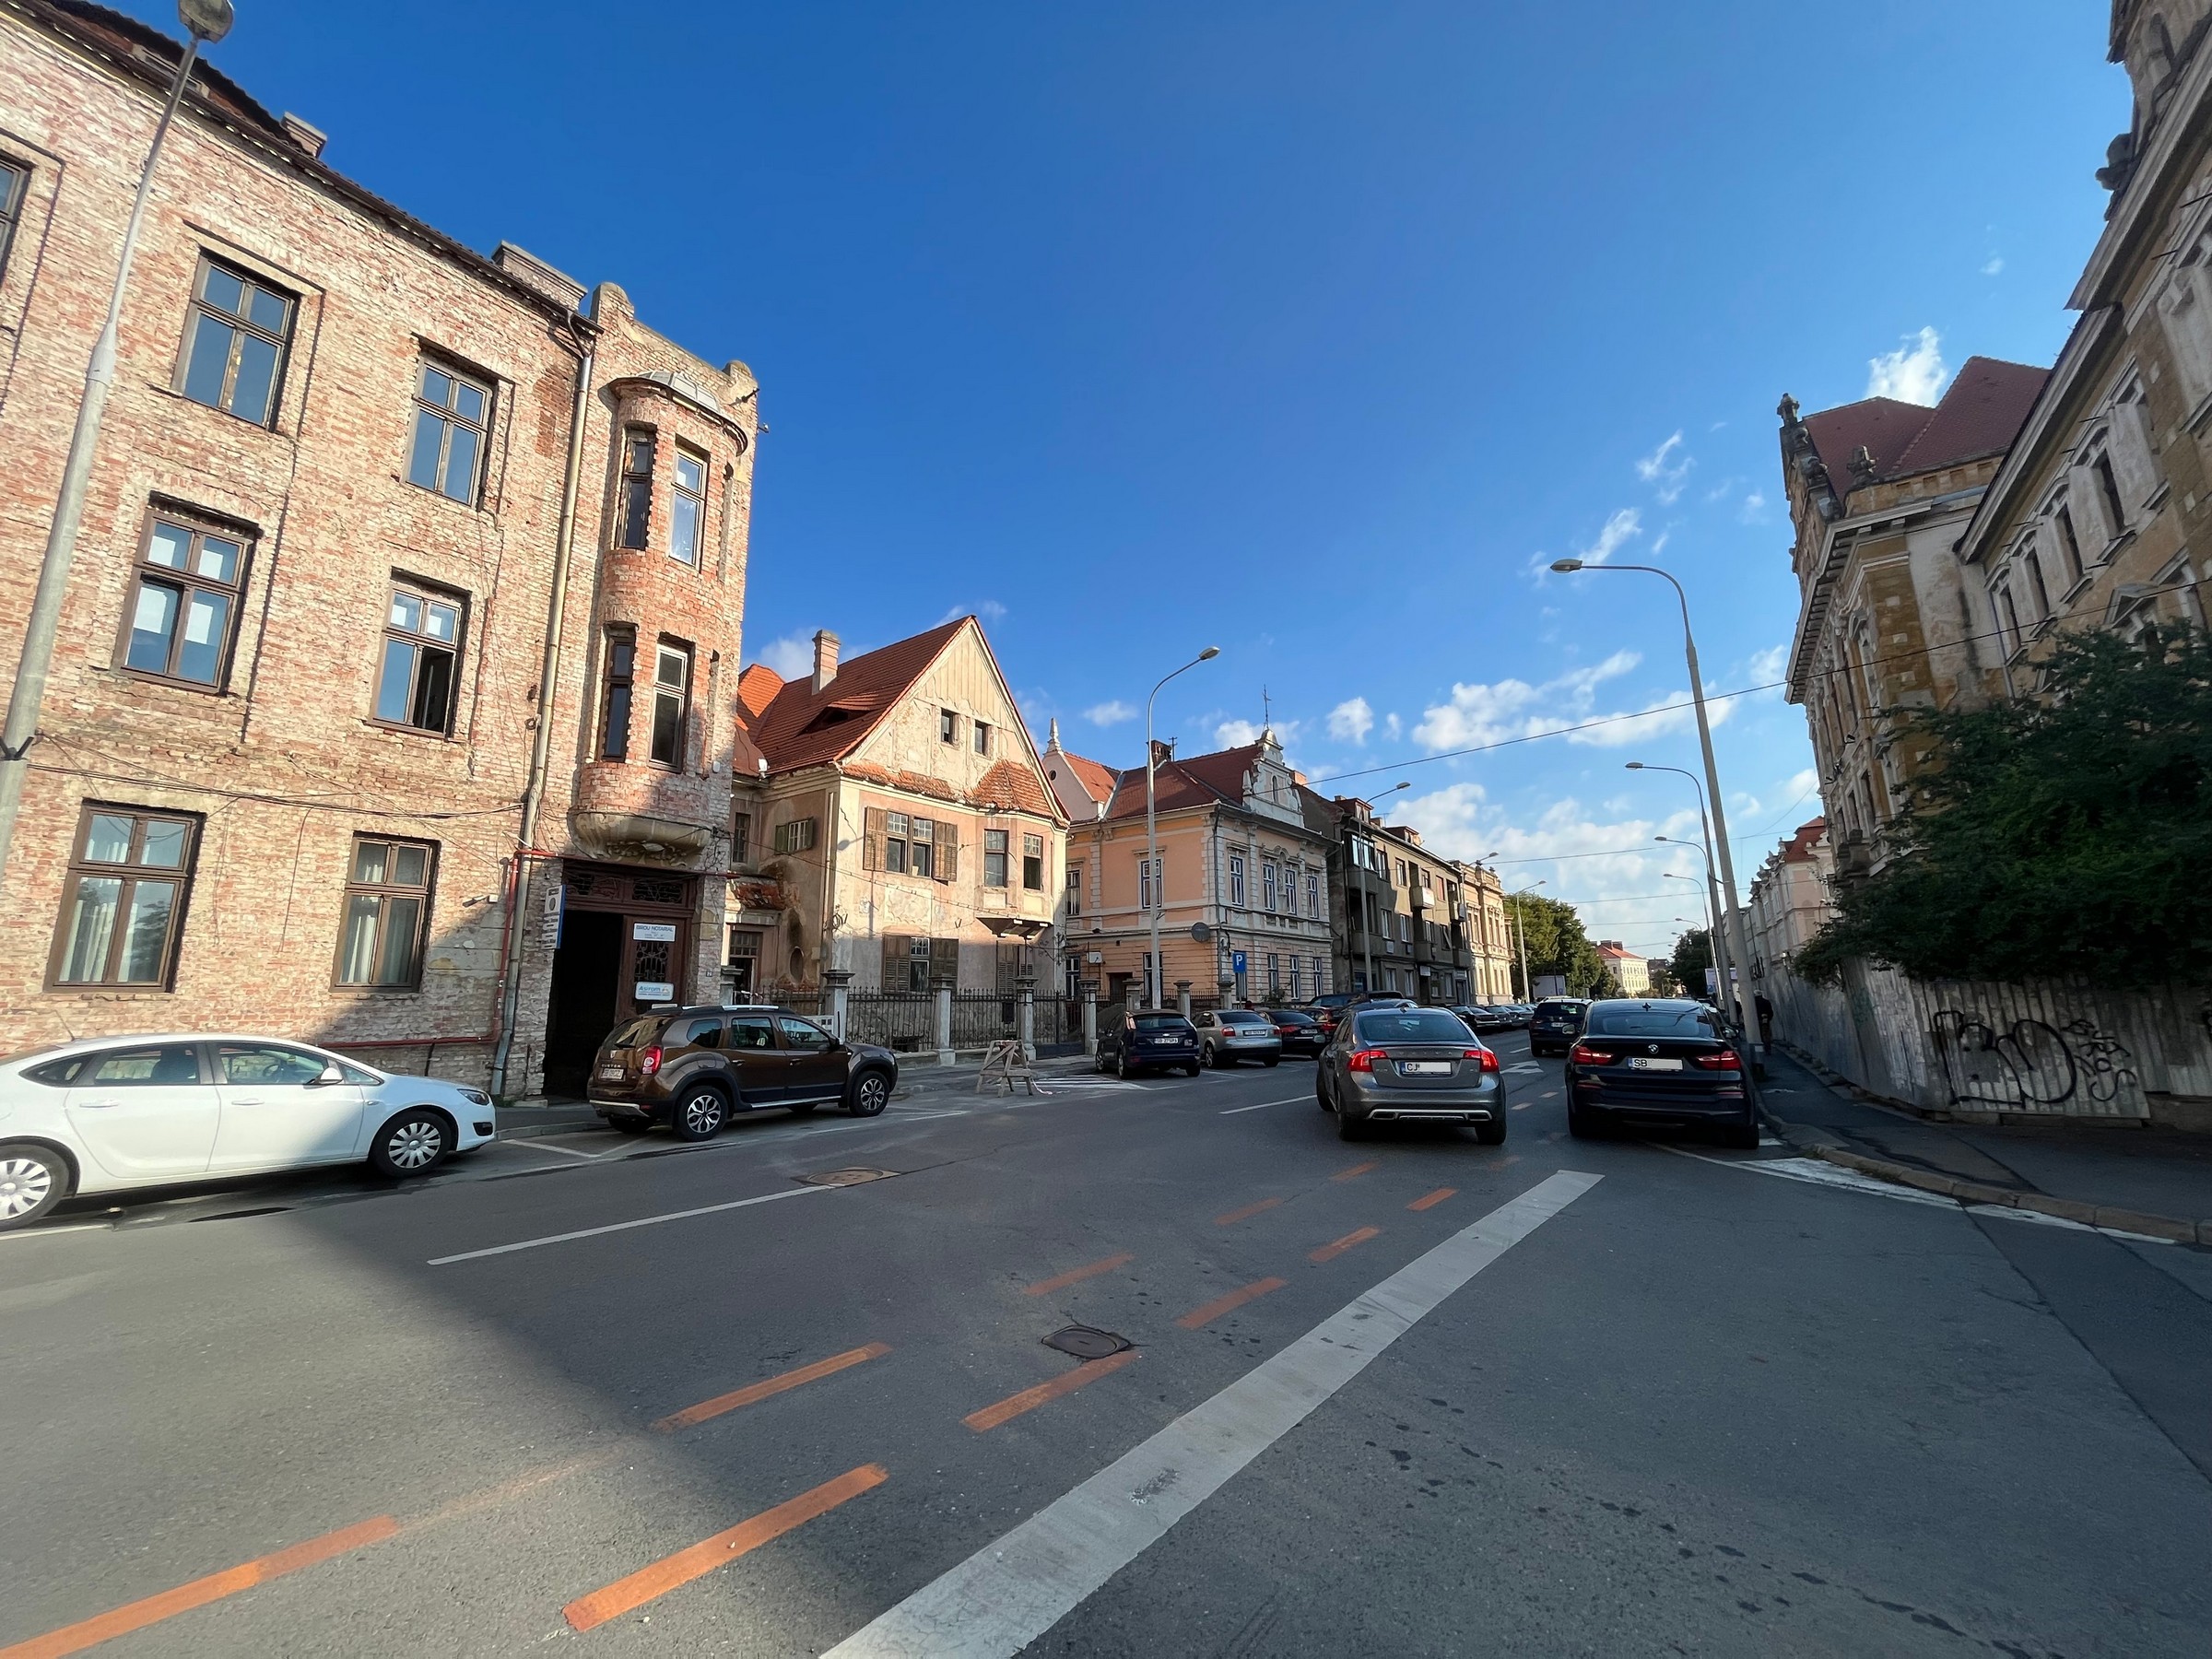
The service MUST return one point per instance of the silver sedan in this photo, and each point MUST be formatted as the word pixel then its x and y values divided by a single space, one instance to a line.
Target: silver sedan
pixel 1228 1035
pixel 1410 1065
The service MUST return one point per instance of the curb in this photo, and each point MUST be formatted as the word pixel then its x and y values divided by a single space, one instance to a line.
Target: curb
pixel 2173 1228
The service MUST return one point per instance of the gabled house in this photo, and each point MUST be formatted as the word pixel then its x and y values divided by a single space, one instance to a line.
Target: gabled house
pixel 897 824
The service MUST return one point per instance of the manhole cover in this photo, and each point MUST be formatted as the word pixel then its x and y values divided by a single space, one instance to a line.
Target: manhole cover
pixel 1084 1343
pixel 853 1177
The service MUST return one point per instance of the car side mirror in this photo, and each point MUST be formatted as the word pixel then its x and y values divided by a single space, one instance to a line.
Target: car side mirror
pixel 331 1074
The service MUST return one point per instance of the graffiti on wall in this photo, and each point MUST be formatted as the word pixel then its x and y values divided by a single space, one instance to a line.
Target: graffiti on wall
pixel 2031 1064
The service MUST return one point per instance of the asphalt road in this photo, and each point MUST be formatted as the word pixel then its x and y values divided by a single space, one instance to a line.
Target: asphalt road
pixel 1413 1396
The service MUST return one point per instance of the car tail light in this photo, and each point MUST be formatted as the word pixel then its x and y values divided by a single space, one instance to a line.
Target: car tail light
pixel 1364 1060
pixel 650 1061
pixel 1584 1055
pixel 1488 1061
pixel 1725 1061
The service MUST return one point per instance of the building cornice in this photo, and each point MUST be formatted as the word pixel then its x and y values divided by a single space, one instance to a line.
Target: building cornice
pixel 2048 418
pixel 1839 540
pixel 2140 210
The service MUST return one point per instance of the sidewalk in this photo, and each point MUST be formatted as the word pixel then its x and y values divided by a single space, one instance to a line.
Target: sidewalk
pixel 2152 1181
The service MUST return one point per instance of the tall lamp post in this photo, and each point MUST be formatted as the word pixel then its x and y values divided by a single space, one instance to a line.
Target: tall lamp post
pixel 1713 921
pixel 1736 948
pixel 1367 923
pixel 1724 962
pixel 1712 895
pixel 1528 988
pixel 207 21
pixel 1153 974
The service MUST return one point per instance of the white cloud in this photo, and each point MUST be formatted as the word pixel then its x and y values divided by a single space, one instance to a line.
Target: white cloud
pixel 1995 267
pixel 987 610
pixel 792 656
pixel 1623 527
pixel 1768 664
pixel 1664 471
pixel 1350 721
pixel 1724 489
pixel 1802 782
pixel 1912 373
pixel 1235 734
pixel 1754 509
pixel 1482 714
pixel 1108 713
pixel 1393 727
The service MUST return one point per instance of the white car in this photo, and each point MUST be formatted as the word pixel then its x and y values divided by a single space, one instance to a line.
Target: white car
pixel 110 1114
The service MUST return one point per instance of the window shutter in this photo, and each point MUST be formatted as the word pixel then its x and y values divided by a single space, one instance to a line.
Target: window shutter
pixel 945 962
pixel 896 949
pixel 2091 514
pixel 2132 459
pixel 949 851
pixel 871 844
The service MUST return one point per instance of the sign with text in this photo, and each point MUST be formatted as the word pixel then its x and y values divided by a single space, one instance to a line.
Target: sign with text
pixel 659 932
pixel 654 991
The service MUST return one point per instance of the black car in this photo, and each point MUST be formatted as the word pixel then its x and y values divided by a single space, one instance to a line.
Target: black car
pixel 1658 1064
pixel 1301 1032
pixel 1557 1022
pixel 690 1068
pixel 1156 1038
pixel 1479 1019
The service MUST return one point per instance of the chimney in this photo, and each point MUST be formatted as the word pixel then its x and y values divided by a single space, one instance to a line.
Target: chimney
pixel 1164 751
pixel 825 658
pixel 307 135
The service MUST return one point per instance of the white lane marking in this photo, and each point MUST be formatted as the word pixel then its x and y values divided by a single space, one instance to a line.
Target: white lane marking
pixel 48 1232
pixel 1816 1172
pixel 1285 1100
pixel 1526 1065
pixel 534 1143
pixel 593 1232
pixel 1016 1587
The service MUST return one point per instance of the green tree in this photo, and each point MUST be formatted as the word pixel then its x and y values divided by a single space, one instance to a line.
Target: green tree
pixel 2066 835
pixel 1557 943
pixel 1693 955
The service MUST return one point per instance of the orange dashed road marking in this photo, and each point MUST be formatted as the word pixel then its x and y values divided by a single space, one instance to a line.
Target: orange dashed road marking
pixel 1075 1276
pixel 773 1385
pixel 1044 1394
pixel 153 1609
pixel 1245 1213
pixel 1197 1317
pixel 1329 1252
pixel 627 1595
pixel 1431 1200
pixel 1355 1172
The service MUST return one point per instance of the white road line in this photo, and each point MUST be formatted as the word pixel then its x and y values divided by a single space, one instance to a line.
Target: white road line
pixel 593 1232
pixel 1016 1587
pixel 534 1143
pixel 1526 1065
pixel 1285 1100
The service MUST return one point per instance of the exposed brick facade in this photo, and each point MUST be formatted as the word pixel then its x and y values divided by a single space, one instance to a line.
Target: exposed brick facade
pixel 282 761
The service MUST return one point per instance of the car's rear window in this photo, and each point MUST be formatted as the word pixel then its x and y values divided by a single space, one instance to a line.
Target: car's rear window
pixel 1651 1022
pixel 1559 1008
pixel 1160 1022
pixel 1292 1017
pixel 1411 1025
pixel 631 1033
pixel 1238 1016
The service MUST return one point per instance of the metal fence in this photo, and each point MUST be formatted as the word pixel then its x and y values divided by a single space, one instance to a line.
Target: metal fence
pixel 906 1021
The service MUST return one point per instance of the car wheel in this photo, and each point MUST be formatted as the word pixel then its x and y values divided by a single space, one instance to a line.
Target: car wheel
pixel 32 1181
pixel 1207 1057
pixel 627 1125
pixel 1491 1134
pixel 1321 1088
pixel 700 1115
pixel 1121 1067
pixel 1743 1137
pixel 1582 1125
pixel 1098 1061
pixel 870 1093
pixel 414 1142
pixel 1349 1127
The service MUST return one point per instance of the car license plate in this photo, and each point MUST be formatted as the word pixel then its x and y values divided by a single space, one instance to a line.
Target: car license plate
pixel 1424 1068
pixel 1655 1066
pixel 610 1071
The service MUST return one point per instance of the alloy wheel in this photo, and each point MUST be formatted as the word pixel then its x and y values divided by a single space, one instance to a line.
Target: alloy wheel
pixel 703 1114
pixel 870 1095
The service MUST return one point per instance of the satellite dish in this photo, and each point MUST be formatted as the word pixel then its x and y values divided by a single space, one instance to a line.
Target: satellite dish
pixel 1201 934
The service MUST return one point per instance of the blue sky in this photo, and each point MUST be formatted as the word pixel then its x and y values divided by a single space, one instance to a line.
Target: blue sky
pixel 1312 332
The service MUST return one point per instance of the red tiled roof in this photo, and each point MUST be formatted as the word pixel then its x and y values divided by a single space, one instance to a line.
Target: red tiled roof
pixel 801 726
pixel 1885 425
pixel 1981 413
pixel 1097 782
pixel 1014 789
pixel 756 687
pixel 1202 781
pixel 1798 849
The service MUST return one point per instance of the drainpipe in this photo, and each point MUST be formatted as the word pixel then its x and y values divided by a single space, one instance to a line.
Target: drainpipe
pixel 548 676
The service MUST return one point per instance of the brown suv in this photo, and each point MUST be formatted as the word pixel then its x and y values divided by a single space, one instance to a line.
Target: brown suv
pixel 691 1067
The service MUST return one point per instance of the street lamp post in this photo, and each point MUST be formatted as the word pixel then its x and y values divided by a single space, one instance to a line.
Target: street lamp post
pixel 1723 960
pixel 1736 948
pixel 206 21
pixel 1528 988
pixel 1153 975
pixel 1712 895
pixel 1367 923
pixel 1713 921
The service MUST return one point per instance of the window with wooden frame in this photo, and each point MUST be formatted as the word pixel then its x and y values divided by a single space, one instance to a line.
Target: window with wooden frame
pixel 983 738
pixel 1033 864
pixel 1074 889
pixel 183 607
pixel 671 701
pixel 122 904
pixel 235 342
pixel 1146 871
pixel 687 507
pixel 949 726
pixel 453 413
pixel 13 182
pixel 421 661
pixel 995 858
pixel 1313 895
pixel 620 678
pixel 2069 544
pixel 2108 487
pixel 794 835
pixel 634 502
pixel 1236 880
pixel 387 911
pixel 1267 884
pixel 741 837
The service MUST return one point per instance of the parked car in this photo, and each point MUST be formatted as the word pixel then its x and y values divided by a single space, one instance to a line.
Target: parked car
pixel 691 1067
pixel 1329 1008
pixel 1147 1038
pixel 1408 1064
pixel 1480 1020
pixel 1228 1035
pixel 1554 1023
pixel 1516 1015
pixel 109 1113
pixel 1300 1031
pixel 1658 1064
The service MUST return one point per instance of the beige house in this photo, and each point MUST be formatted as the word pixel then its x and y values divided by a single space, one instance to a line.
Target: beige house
pixel 1489 946
pixel 1630 972
pixel 898 826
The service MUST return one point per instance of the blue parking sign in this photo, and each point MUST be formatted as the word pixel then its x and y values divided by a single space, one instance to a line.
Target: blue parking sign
pixel 1236 961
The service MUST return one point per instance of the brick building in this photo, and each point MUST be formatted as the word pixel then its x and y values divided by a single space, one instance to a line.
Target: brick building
pixel 393 552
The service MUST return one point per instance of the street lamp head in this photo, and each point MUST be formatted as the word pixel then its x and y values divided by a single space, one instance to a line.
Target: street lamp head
pixel 1209 654
pixel 1566 567
pixel 1395 787
pixel 1633 765
pixel 209 20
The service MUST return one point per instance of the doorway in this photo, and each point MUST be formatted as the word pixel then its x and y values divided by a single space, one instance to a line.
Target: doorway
pixel 586 975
